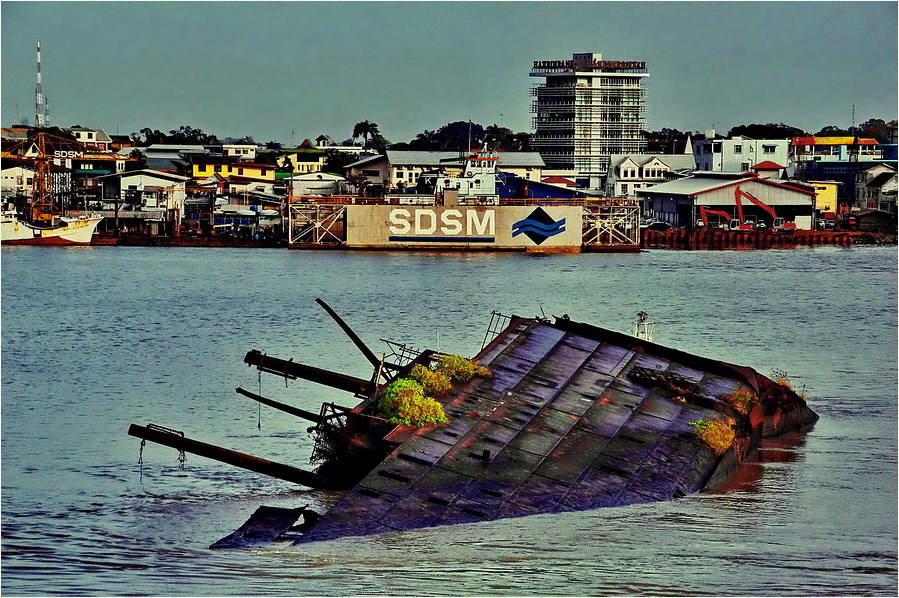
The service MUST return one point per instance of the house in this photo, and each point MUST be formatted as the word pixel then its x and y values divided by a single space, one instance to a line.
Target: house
pixel 875 184
pixel 146 188
pixel 204 166
pixel 880 192
pixel 402 166
pixel 629 173
pixel 737 153
pixel 325 142
pixel 92 138
pixel 678 202
pixel 243 151
pixel 303 161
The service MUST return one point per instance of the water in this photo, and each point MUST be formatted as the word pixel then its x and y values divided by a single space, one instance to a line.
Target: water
pixel 94 339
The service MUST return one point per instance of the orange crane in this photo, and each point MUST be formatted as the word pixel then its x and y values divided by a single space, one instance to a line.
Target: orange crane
pixel 779 224
pixel 704 214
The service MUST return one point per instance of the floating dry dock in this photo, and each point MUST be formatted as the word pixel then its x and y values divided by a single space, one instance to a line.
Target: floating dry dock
pixel 573 417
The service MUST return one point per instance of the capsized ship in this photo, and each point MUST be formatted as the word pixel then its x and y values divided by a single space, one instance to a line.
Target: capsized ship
pixel 570 417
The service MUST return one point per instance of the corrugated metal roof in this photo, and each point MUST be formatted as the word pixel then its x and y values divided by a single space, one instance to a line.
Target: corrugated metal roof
pixel 691 185
pixel 694 185
pixel 362 161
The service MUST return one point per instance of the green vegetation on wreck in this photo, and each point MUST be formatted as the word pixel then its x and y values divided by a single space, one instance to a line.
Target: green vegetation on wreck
pixel 410 401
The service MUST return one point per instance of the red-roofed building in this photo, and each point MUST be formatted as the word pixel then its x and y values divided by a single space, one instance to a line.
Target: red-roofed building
pixel 559 180
pixel 768 169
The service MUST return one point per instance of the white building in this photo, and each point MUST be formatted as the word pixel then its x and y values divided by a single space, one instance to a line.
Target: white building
pixel 739 154
pixel 587 110
pixel 630 172
pixel 401 166
pixel 17 180
pixel 148 188
pixel 92 138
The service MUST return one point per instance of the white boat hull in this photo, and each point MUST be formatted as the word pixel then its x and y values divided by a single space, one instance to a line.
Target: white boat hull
pixel 73 231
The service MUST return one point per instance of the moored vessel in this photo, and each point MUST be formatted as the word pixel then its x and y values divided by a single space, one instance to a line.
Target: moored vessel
pixel 65 231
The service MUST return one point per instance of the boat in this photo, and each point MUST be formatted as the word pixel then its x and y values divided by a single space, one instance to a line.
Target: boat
pixel 66 231
pixel 46 221
pixel 556 415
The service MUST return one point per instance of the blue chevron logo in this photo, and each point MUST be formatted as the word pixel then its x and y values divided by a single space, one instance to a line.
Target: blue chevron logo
pixel 538 226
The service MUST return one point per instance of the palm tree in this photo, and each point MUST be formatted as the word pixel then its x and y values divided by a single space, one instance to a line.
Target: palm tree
pixel 365 129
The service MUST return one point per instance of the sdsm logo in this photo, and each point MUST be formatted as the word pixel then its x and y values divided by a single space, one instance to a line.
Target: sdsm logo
pixel 450 222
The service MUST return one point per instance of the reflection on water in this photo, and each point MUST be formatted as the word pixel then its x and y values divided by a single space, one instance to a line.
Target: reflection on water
pixel 96 338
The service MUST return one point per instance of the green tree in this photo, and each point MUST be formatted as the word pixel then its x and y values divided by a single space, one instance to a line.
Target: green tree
pixel 141 160
pixel 768 131
pixel 365 129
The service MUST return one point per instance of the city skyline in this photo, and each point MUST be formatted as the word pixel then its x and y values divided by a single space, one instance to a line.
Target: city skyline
pixel 272 69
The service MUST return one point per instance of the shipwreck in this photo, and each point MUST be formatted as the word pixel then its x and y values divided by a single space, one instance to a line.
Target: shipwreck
pixel 551 415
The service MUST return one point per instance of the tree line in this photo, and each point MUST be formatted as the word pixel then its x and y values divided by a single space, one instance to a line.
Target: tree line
pixel 668 140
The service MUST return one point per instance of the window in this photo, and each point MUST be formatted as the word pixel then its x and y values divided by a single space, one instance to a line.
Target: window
pixel 624 189
pixel 738 149
pixel 744 166
pixel 240 171
pixel 90 135
pixel 768 149
pixel 202 168
pixel 399 174
pixel 217 168
pixel 264 172
pixel 374 173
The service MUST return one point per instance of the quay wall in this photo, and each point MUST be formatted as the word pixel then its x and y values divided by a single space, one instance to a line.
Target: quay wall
pixel 721 239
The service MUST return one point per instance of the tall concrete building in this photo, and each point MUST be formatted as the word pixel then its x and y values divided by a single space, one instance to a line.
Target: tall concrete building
pixel 586 110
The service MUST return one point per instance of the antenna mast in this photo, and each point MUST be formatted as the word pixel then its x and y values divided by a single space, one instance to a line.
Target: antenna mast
pixel 40 105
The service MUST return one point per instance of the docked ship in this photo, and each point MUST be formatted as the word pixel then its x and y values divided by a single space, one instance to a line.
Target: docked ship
pixel 65 231
pixel 46 222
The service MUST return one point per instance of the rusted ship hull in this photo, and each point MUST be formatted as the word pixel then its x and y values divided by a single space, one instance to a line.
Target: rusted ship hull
pixel 562 425
pixel 566 417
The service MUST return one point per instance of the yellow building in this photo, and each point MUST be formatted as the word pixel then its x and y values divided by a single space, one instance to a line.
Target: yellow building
pixel 827 195
pixel 203 169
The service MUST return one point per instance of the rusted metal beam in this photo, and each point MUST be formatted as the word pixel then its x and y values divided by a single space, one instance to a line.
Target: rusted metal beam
pixel 308 415
pixel 242 460
pixel 290 369
pixel 369 354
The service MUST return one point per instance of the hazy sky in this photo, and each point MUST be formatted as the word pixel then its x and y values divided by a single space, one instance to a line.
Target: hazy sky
pixel 267 69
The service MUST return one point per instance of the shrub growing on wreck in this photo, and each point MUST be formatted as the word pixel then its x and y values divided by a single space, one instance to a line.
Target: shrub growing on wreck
pixel 717 433
pixel 434 383
pixel 404 402
pixel 460 369
pixel 741 399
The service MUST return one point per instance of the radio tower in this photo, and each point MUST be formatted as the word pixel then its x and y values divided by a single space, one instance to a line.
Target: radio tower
pixel 40 105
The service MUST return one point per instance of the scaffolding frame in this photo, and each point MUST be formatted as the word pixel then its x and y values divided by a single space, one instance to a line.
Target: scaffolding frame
pixel 615 223
pixel 316 224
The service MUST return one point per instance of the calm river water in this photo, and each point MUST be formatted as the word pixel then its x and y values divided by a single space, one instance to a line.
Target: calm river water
pixel 94 339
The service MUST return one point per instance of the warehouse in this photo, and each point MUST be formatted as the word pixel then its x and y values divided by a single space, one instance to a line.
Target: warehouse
pixel 742 195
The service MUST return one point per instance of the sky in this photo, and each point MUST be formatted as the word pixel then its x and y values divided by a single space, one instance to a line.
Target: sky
pixel 287 71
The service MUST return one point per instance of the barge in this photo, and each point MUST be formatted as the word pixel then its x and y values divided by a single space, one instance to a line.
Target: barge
pixel 465 213
pixel 557 415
